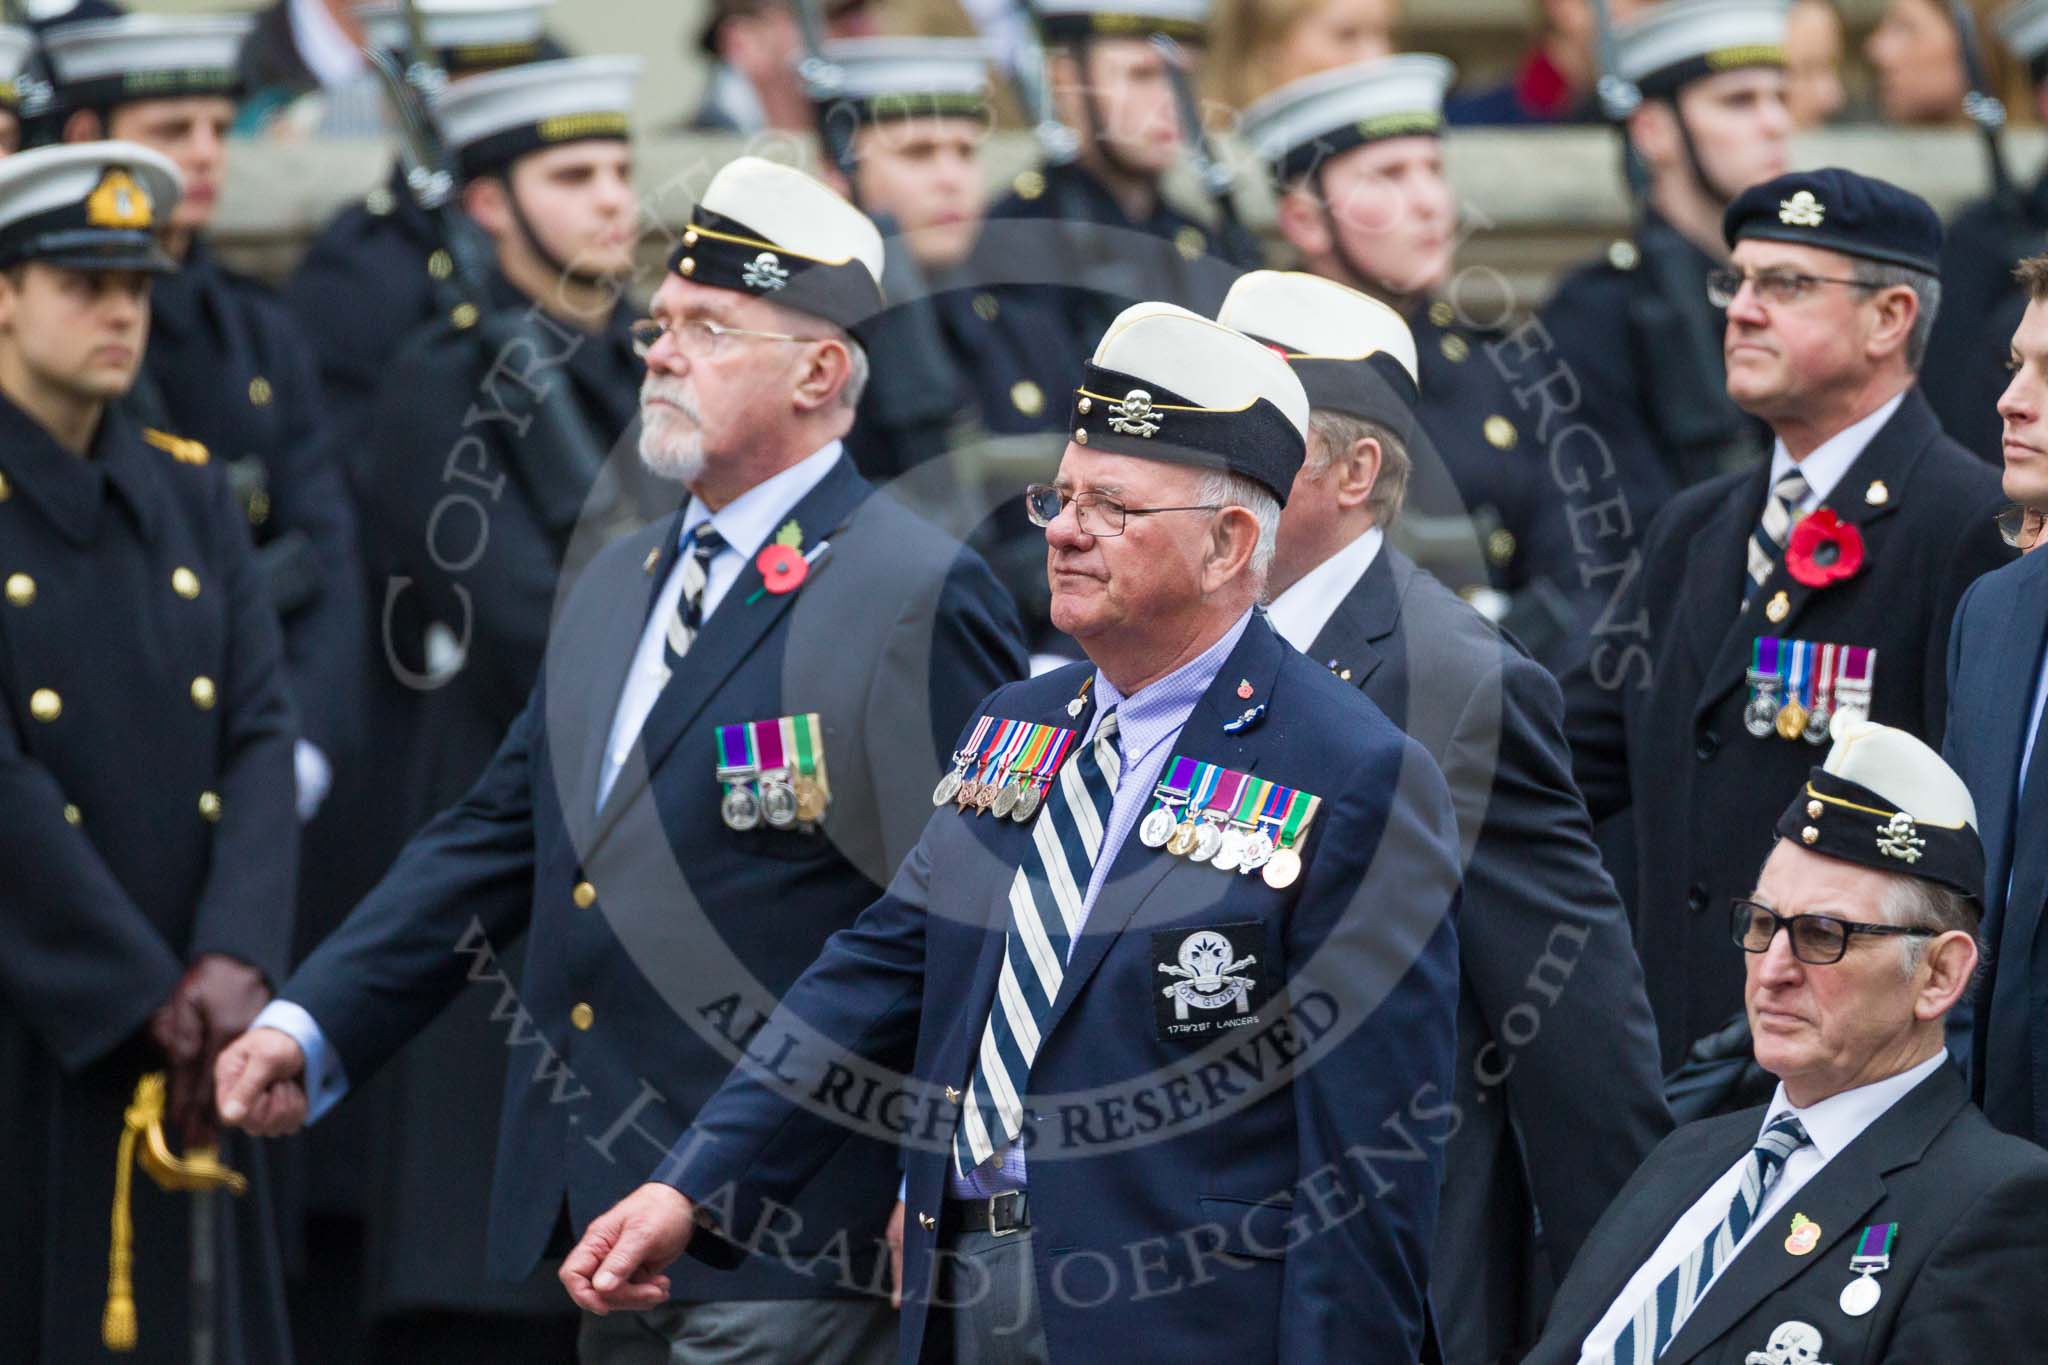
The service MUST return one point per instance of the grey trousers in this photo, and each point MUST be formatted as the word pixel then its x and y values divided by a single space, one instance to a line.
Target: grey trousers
pixel 745 1332
pixel 988 1296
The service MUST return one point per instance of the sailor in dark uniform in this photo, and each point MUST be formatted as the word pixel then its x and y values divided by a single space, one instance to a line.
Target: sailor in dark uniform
pixel 225 364
pixel 1356 159
pixel 17 48
pixel 149 852
pixel 377 270
pixel 484 473
pixel 1634 331
pixel 1101 221
pixel 1981 301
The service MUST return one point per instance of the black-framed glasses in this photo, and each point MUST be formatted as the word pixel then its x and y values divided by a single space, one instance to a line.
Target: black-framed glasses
pixel 1817 940
pixel 1097 514
pixel 2020 527
pixel 695 336
pixel 1778 288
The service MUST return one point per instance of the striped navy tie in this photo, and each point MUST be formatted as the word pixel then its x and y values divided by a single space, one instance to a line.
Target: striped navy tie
pixel 1767 541
pixel 700 547
pixel 1045 914
pixel 1658 1316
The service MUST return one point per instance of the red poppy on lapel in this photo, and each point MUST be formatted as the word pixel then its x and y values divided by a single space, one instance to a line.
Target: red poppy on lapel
pixel 1824 549
pixel 782 568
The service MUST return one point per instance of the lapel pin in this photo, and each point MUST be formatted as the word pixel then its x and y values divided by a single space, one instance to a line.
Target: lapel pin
pixel 653 558
pixel 1780 606
pixel 1245 721
pixel 1244 689
pixel 1804 1237
pixel 1877 495
pixel 1080 701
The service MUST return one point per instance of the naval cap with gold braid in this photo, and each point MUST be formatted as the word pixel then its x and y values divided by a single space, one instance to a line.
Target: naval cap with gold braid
pixel 87 205
pixel 465 36
pixel 1884 800
pixel 1671 45
pixel 493 119
pixel 100 63
pixel 769 231
pixel 1167 384
pixel 1352 353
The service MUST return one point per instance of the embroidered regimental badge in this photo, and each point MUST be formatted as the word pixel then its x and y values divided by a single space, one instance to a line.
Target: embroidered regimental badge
pixel 1218 980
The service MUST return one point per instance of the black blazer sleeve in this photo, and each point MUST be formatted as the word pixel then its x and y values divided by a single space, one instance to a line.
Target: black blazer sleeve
pixel 1545 929
pixel 1978 1298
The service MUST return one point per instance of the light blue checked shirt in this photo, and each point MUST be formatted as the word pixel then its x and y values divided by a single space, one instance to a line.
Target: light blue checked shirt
pixel 1148 721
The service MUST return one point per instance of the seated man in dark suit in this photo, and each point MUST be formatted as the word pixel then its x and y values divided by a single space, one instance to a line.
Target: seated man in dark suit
pixel 1557 1078
pixel 1997 701
pixel 1870 1212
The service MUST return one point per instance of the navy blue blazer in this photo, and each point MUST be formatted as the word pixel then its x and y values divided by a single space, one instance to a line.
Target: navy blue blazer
pixel 1994 661
pixel 657 938
pixel 1259 1193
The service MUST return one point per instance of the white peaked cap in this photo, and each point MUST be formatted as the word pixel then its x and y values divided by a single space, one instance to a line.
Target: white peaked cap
pixel 1319 319
pixel 1205 362
pixel 1902 769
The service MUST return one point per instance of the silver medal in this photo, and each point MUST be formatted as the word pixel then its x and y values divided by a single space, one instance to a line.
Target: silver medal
pixel 1027 803
pixel 1156 828
pixel 1208 842
pixel 949 786
pixel 778 802
pixel 1860 1295
pixel 739 808
pixel 1817 723
pixel 1760 717
pixel 1258 851
pixel 1231 855
pixel 1006 801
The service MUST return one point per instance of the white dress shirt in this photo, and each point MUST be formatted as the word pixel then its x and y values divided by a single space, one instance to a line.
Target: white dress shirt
pixel 1832 1125
pixel 1300 613
pixel 746 523
pixel 1827 462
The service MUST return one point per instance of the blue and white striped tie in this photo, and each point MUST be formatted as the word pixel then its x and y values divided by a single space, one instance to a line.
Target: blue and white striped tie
pixel 1767 539
pixel 1658 1316
pixel 1045 914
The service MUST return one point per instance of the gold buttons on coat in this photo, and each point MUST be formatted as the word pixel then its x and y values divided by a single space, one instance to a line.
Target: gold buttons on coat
pixel 72 815
pixel 21 590
pixel 185 583
pixel 440 264
pixel 585 895
pixel 687 266
pixel 203 695
pixel 582 1016
pixel 1500 432
pixel 1028 398
pixel 464 316
pixel 260 392
pixel 209 806
pixel 45 705
pixel 1814 809
pixel 1809 835
pixel 1454 347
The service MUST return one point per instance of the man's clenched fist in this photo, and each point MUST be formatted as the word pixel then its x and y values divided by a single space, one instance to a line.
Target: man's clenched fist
pixel 259 1084
pixel 619 1262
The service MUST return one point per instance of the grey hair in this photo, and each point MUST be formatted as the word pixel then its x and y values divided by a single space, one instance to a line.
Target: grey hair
pixel 1875 275
pixel 1331 431
pixel 856 371
pixel 1916 903
pixel 1234 490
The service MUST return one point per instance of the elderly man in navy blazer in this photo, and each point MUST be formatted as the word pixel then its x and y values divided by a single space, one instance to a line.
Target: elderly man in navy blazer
pixel 1998 694
pixel 1868 1213
pixel 740 713
pixel 1177 1035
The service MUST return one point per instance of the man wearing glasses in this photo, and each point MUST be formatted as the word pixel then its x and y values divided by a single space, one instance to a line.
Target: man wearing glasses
pixel 730 747
pixel 1230 859
pixel 1768 602
pixel 1869 1211
pixel 1998 697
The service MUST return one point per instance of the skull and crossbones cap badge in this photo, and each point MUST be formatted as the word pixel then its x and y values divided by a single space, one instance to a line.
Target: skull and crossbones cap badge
pixel 1885 800
pixel 770 231
pixel 1167 384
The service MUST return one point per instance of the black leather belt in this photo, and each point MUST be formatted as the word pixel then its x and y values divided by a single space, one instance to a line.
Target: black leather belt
pixel 1000 1214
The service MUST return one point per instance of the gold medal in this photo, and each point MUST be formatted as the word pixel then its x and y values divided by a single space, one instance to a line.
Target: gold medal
pixel 1791 721
pixel 1183 841
pixel 1282 869
pixel 810 798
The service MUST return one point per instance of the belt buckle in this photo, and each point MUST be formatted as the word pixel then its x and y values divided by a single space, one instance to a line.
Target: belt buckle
pixel 995 1227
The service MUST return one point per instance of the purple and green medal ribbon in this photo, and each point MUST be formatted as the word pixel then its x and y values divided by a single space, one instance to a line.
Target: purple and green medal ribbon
pixel 1180 780
pixel 1874 1248
pixel 1763 657
pixel 738 761
pixel 1207 775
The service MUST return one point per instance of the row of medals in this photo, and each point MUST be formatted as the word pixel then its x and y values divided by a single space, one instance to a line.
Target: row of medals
pixel 1017 799
pixel 1764 715
pixel 786 800
pixel 1218 841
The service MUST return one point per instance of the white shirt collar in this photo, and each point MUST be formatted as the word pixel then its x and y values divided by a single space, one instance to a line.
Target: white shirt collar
pixel 1300 613
pixel 1839 1120
pixel 749 519
pixel 1827 462
pixel 328 52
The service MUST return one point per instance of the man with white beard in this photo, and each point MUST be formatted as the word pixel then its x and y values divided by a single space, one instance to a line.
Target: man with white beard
pixel 731 745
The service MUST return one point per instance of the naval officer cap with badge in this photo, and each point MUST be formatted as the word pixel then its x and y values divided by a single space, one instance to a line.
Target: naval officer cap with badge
pixel 1213 844
pixel 1869 1211
pixel 728 752
pixel 146 768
